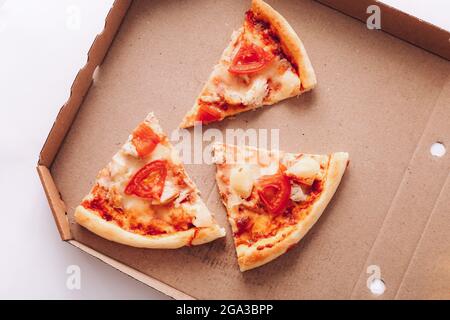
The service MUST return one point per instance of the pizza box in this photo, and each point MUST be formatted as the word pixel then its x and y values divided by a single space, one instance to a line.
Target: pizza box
pixel 382 95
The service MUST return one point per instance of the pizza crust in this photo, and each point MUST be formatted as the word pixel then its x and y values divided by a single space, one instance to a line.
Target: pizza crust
pixel 112 232
pixel 251 257
pixel 290 42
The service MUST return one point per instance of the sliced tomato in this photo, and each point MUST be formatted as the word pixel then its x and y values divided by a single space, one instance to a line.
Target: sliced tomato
pixel 274 192
pixel 250 59
pixel 148 182
pixel 144 140
pixel 209 113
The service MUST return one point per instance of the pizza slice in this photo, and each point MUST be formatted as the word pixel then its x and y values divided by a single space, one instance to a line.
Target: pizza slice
pixel 273 198
pixel 264 63
pixel 144 198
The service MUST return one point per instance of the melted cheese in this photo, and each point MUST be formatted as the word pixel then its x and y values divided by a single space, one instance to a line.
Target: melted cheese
pixel 161 152
pixel 297 193
pixel 129 148
pixel 250 90
pixel 242 179
pixel 135 204
pixel 202 216
pixel 271 169
pixel 306 168
pixel 170 191
pixel 289 83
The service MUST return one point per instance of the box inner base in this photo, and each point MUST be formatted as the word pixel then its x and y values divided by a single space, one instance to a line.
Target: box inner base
pixel 375 98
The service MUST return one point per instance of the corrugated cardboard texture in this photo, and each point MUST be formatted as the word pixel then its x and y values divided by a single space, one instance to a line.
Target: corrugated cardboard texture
pixel 379 98
pixel 56 203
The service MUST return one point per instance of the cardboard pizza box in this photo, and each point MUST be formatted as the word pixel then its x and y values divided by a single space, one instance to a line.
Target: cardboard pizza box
pixel 382 95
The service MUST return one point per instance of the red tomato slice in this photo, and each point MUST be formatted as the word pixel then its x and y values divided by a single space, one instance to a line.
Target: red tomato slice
pixel 250 59
pixel 209 113
pixel 144 140
pixel 148 182
pixel 274 192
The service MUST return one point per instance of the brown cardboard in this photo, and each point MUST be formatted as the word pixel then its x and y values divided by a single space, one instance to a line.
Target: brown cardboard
pixel 379 98
pixel 399 24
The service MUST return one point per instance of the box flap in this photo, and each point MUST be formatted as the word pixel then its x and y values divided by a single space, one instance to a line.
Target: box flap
pixel 399 24
pixel 56 204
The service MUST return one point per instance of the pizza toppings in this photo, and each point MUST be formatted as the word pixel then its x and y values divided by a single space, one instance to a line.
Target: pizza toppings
pixel 170 192
pixel 241 180
pixel 264 63
pixel 209 113
pixel 274 192
pixel 305 170
pixel 144 140
pixel 243 224
pixel 249 59
pixel 297 193
pixel 149 181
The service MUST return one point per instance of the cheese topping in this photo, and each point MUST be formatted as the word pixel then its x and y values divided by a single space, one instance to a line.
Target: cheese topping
pixel 242 178
pixel 306 169
pixel 177 208
pixel 129 148
pixel 202 217
pixel 271 168
pixel 297 193
pixel 161 152
pixel 170 191
pixel 277 81
pixel 254 89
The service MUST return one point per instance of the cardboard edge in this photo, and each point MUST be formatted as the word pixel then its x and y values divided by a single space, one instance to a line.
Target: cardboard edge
pixel 67 113
pixel 139 276
pixel 83 81
pixel 57 205
pixel 414 30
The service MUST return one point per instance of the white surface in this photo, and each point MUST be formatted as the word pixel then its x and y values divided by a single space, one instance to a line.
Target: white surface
pixel 436 12
pixel 43 44
pixel 41 51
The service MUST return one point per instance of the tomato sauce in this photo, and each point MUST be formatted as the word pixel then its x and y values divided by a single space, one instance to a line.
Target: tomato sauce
pixel 270 37
pixel 291 215
pixel 101 204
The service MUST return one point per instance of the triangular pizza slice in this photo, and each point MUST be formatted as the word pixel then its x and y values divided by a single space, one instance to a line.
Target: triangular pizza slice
pixel 273 198
pixel 264 63
pixel 144 198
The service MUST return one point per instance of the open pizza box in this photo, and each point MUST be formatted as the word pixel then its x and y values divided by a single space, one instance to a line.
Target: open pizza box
pixel 382 96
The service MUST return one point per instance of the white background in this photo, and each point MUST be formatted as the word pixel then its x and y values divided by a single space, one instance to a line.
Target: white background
pixel 43 44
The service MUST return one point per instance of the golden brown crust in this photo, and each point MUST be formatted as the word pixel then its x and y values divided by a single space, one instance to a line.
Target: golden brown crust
pixel 290 42
pixel 195 236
